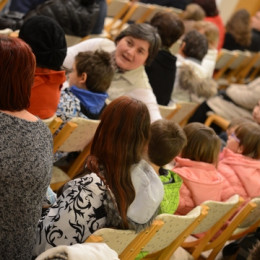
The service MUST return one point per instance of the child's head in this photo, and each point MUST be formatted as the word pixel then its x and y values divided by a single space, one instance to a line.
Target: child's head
pixel 234 123
pixel 170 27
pixel 202 143
pixel 193 12
pixel 166 141
pixel 194 45
pixel 210 30
pixel 246 140
pixel 92 71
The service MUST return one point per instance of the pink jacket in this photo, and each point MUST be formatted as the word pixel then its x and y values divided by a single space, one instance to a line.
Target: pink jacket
pixel 201 181
pixel 241 175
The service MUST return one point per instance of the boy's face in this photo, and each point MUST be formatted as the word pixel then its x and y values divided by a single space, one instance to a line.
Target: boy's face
pixel 74 79
pixel 131 53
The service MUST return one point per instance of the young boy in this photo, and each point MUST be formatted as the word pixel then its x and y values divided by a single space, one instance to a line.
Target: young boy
pixel 89 80
pixel 166 142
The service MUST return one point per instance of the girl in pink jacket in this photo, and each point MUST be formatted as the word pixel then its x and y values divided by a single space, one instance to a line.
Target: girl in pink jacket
pixel 197 168
pixel 239 162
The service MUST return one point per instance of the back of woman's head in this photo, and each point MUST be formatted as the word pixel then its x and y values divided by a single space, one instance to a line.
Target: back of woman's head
pixel 248 134
pixel 202 143
pixel 144 32
pixel 170 27
pixel 239 26
pixel 16 74
pixel 209 6
pixel 118 144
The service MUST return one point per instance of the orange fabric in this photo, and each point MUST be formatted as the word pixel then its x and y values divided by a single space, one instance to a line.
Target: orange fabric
pixel 45 94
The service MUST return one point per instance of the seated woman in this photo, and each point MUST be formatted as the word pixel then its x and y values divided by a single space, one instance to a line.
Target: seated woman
pixel 116 189
pixel 25 152
pixel 136 46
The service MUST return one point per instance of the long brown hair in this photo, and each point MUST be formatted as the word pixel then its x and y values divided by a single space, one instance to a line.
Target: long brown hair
pixel 117 145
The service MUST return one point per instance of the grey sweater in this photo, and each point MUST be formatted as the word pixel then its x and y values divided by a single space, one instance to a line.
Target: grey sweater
pixel 25 172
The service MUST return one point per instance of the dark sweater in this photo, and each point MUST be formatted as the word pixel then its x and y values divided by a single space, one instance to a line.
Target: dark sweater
pixel 161 74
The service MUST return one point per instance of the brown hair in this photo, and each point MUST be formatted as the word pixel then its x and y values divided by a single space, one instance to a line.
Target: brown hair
pixel 98 67
pixel 202 143
pixel 249 135
pixel 16 73
pixel 166 141
pixel 170 27
pixel 118 143
pixel 209 6
pixel 239 27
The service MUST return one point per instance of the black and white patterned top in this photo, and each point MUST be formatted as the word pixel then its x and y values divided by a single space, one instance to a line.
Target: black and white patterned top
pixel 25 172
pixel 75 215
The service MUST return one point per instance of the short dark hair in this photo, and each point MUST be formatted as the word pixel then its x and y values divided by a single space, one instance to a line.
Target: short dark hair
pixel 170 27
pixel 98 67
pixel 144 32
pixel 166 141
pixel 196 45
pixel 16 73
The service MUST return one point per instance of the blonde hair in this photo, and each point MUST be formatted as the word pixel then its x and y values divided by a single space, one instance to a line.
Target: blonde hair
pixel 193 12
pixel 202 143
pixel 210 30
pixel 249 135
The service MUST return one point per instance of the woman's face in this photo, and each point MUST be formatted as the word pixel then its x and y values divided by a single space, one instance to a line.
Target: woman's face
pixel 131 53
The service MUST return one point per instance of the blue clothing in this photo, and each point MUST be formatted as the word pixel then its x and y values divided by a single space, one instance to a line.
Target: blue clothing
pixel 99 25
pixel 76 102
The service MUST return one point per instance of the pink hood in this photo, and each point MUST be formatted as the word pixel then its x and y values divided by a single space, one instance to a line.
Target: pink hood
pixel 202 179
pixel 242 172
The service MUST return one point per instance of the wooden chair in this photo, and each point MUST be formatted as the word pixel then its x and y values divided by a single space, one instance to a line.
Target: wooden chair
pixel 185 111
pixel 218 120
pixel 250 223
pixel 3 4
pixel 75 136
pixel 127 243
pixel 168 112
pixel 174 231
pixel 54 123
pixel 219 214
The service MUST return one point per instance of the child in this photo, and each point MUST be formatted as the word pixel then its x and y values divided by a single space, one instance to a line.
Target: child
pixel 239 164
pixel 192 83
pixel 197 167
pixel 166 142
pixel 89 80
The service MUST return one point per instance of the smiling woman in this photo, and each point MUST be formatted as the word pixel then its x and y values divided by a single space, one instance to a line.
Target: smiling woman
pixel 134 47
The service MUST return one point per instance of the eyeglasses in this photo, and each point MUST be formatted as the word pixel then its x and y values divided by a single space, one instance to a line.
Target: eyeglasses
pixel 235 137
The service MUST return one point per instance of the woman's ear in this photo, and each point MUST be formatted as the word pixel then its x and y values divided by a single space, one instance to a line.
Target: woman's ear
pixel 83 78
pixel 182 46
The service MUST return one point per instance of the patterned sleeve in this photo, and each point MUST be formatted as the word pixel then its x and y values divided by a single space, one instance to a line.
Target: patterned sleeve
pixel 69 106
pixel 77 213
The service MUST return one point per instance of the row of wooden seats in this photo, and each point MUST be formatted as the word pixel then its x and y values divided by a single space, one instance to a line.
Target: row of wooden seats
pixel 236 66
pixel 120 12
pixel 170 232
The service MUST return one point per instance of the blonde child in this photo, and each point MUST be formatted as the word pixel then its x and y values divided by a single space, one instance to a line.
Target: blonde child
pixel 239 163
pixel 166 142
pixel 197 167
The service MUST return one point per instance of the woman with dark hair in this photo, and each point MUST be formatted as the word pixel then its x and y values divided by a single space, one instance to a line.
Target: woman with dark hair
pixel 134 47
pixel 116 189
pixel 212 15
pixel 25 152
